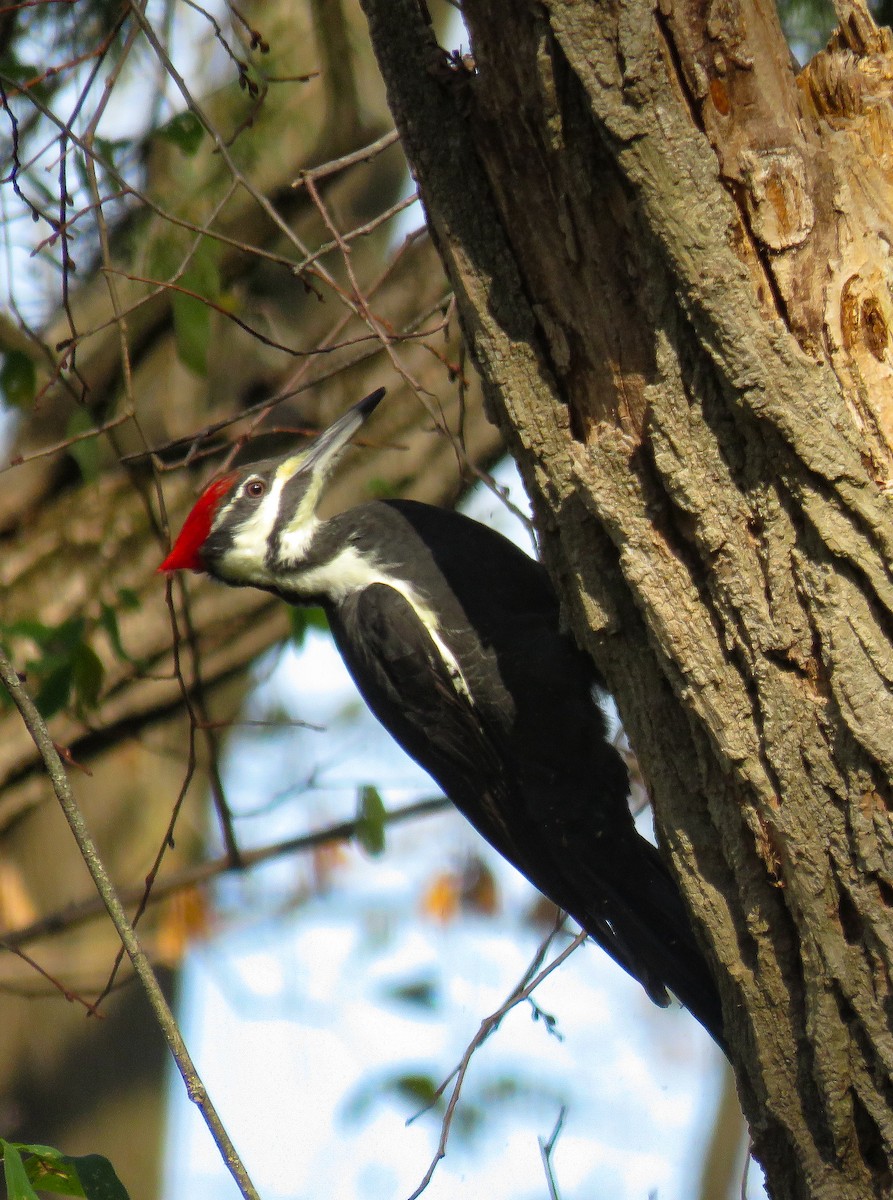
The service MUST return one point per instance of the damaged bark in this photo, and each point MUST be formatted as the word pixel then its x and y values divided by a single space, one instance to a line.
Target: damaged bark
pixel 671 253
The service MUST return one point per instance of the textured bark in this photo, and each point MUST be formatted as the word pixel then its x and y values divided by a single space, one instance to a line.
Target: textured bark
pixel 671 255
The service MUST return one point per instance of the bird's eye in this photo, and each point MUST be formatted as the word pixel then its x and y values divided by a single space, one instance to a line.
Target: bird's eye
pixel 255 488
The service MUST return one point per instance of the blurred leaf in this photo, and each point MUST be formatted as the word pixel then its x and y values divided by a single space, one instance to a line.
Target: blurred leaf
pixel 87 675
pixel 192 329
pixel 28 73
pixel 66 662
pixel 385 489
pixel 469 1119
pixel 420 994
pixel 326 859
pixel 504 1087
pixel 108 619
pixel 18 378
pixel 185 919
pixel 35 631
pixel 420 1089
pixel 442 897
pixel 304 619
pixel 162 257
pixel 108 149
pixel 185 131
pixel 417 1088
pixel 54 691
pixel 478 888
pixel 128 599
pixel 86 451
pixel 371 818
pixel 192 316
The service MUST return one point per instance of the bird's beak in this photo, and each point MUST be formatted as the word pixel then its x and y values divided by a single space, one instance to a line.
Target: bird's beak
pixel 319 457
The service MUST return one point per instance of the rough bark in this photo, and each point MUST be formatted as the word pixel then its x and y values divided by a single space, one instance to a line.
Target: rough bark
pixel 671 256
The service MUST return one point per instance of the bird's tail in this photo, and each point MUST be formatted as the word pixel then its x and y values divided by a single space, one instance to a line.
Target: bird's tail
pixel 642 922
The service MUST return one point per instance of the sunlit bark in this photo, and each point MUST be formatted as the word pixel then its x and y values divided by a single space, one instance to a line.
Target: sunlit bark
pixel 671 257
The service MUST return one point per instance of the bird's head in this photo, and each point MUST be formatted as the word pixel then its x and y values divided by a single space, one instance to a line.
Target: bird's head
pixel 258 520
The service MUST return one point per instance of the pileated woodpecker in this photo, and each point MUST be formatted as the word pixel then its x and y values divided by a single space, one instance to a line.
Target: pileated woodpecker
pixel 453 636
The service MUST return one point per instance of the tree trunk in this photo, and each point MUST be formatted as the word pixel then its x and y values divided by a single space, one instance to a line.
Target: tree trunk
pixel 671 257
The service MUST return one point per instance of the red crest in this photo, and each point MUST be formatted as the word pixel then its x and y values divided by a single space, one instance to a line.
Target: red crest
pixel 186 553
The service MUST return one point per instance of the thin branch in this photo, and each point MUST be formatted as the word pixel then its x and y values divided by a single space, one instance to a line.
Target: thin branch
pixel 195 1089
pixel 334 165
pixel 488 1026
pixel 546 1149
pixel 56 984
pixel 58 447
pixel 84 910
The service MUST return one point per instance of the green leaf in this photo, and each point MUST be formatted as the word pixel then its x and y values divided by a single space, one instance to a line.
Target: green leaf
pixel 18 378
pixel 18 1186
pixel 161 259
pixel 55 690
pixel 89 1177
pixel 27 73
pixel 304 619
pixel 185 131
pixel 421 1089
pixel 108 620
pixel 66 663
pixel 108 150
pixel 192 330
pixel 98 1178
pixel 34 631
pixel 87 674
pixel 51 1171
pixel 192 316
pixel 386 489
pixel 420 994
pixel 86 451
pixel 371 821
pixel 129 599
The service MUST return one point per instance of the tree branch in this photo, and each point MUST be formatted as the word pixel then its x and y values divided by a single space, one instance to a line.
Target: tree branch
pixel 143 968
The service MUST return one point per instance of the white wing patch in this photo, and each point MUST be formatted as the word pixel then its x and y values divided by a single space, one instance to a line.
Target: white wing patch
pixel 349 571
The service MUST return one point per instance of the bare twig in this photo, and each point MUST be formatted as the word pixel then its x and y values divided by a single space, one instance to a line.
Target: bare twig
pixel 85 910
pixel 195 1089
pixel 533 977
pixel 546 1149
pixel 334 165
pixel 67 993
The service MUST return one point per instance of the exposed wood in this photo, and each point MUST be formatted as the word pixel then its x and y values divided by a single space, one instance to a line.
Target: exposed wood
pixel 671 255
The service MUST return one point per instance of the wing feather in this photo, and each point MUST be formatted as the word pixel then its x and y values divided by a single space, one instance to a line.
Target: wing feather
pixel 400 673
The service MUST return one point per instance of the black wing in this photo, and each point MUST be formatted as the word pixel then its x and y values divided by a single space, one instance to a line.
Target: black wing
pixel 588 859
pixel 403 679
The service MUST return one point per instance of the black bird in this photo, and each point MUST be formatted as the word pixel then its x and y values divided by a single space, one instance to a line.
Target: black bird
pixel 453 637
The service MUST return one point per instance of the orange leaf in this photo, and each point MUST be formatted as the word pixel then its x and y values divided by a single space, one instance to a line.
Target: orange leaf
pixel 186 919
pixel 441 898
